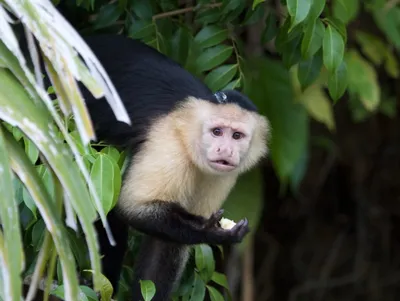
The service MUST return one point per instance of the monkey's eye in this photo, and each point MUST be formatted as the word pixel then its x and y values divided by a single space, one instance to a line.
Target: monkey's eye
pixel 237 135
pixel 217 132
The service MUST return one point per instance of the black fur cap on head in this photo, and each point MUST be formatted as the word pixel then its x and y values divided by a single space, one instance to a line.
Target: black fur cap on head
pixel 234 96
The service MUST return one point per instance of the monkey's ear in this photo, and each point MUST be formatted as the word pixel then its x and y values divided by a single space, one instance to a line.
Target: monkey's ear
pixel 258 148
pixel 264 126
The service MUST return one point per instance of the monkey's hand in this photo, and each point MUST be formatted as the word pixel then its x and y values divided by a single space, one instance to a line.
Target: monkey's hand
pixel 233 235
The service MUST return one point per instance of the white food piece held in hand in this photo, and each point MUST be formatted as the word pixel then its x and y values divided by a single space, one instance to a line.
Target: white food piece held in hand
pixel 226 224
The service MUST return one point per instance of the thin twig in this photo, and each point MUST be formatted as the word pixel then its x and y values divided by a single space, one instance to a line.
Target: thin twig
pixel 264 285
pixel 247 273
pixel 183 11
pixel 330 263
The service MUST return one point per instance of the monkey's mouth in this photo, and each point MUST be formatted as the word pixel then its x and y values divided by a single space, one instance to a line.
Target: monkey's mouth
pixel 223 162
pixel 222 165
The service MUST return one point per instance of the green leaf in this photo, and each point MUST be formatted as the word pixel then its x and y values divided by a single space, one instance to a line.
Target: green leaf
pixel 388 21
pixel 148 289
pixel 292 53
pixel 253 15
pixel 233 15
pixel 31 150
pixel 90 293
pixel 186 284
pixel 78 248
pixel 345 10
pixel 17 133
pixel 313 37
pixel 220 279
pixel 316 9
pixel 373 47
pixel 298 10
pixel 205 262
pixel 142 9
pixel 76 138
pixel 199 288
pixel 338 25
pixel 213 56
pixel 112 152
pixel 60 277
pixel 229 5
pixel 59 292
pixel 211 35
pixel 104 173
pixel 28 201
pixel 318 106
pixel 284 37
pixel 207 16
pixel 309 70
pixel 391 64
pixel 215 295
pixel 269 85
pixel 108 15
pixel 256 3
pixel 12 255
pixel 333 49
pixel 167 5
pixel 337 82
pixel 232 85
pixel 18 187
pixel 299 171
pixel 363 80
pixel 140 29
pixel 106 289
pixel 271 28
pixel 220 77
pixel 180 45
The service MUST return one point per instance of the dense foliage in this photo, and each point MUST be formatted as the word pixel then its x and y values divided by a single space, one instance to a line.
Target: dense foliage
pixel 303 60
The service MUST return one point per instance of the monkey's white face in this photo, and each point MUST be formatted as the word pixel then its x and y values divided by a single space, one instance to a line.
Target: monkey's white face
pixel 224 144
pixel 221 139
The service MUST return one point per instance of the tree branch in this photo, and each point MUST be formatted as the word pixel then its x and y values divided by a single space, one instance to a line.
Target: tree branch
pixel 183 11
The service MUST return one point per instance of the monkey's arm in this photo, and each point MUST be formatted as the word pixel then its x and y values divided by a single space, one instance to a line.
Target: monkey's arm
pixel 170 221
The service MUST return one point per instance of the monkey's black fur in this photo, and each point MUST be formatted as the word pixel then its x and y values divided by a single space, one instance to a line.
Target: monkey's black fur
pixel 142 75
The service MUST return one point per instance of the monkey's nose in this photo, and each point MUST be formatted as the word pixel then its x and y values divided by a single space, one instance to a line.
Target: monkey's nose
pixel 224 151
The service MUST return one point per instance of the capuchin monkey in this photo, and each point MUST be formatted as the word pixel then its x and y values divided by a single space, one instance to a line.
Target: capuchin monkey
pixel 188 146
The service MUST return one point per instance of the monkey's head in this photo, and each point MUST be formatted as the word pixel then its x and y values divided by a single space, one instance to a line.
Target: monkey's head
pixel 224 136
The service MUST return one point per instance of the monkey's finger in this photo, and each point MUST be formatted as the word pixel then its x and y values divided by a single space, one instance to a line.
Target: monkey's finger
pixel 235 230
pixel 241 229
pixel 214 218
pixel 245 228
pixel 219 213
